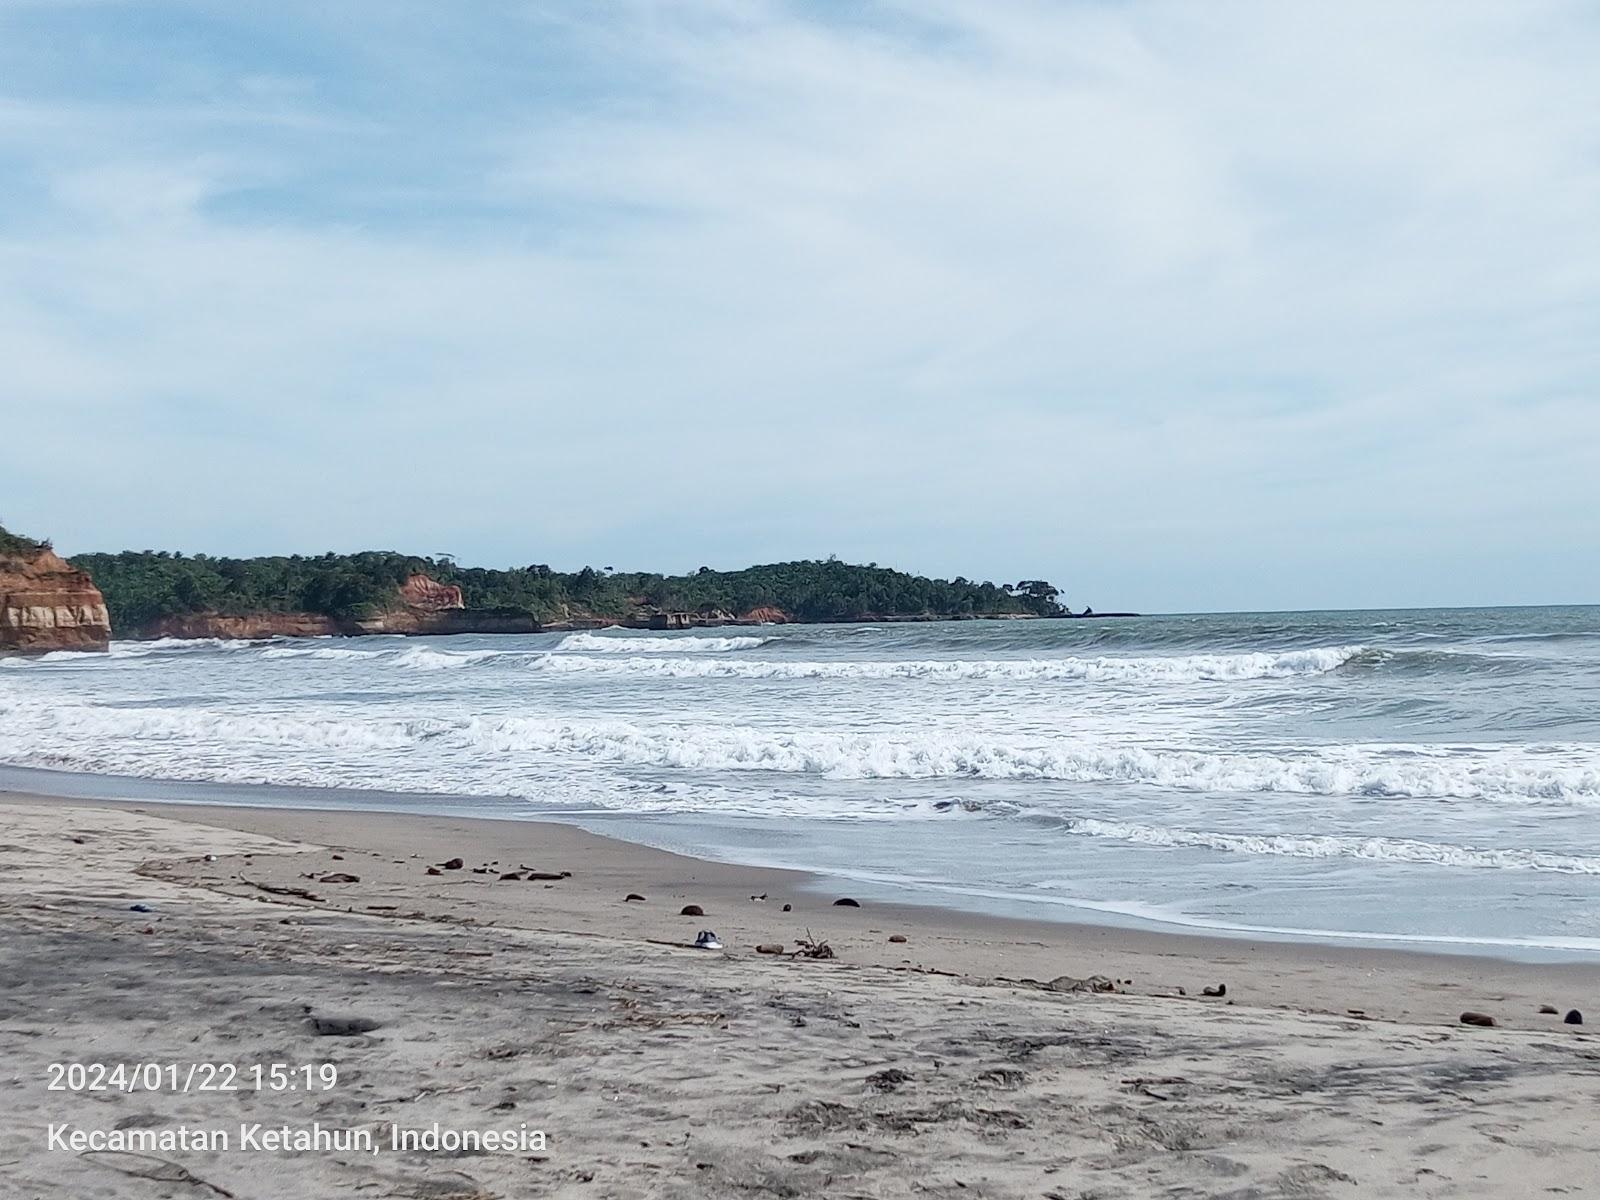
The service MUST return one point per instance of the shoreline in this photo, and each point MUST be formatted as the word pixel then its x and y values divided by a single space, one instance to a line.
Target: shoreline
pixel 609 1057
pixel 950 899
pixel 1380 983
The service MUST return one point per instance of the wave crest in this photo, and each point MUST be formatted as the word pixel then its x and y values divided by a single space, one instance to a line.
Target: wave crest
pixel 627 644
pixel 1198 668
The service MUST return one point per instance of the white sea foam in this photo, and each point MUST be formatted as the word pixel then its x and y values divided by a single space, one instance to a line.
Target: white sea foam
pixel 177 646
pixel 1196 668
pixel 411 658
pixel 591 643
pixel 1376 849
pixel 1568 775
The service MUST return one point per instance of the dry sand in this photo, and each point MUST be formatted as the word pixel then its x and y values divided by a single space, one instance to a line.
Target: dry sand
pixel 659 1070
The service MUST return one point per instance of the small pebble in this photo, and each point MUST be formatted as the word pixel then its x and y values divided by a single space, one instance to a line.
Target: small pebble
pixel 1478 1018
pixel 1574 1017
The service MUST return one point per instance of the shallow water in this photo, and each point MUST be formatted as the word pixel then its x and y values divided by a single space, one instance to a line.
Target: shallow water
pixel 1426 775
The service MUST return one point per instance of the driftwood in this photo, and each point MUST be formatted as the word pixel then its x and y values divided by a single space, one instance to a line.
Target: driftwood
pixel 810 947
pixel 275 890
pixel 148 1166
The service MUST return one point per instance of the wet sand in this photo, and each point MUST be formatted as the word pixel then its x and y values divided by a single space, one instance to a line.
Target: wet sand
pixel 941 1064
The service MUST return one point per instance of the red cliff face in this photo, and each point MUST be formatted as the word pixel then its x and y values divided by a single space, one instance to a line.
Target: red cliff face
pixel 243 626
pixel 421 606
pixel 766 615
pixel 47 605
pixel 429 595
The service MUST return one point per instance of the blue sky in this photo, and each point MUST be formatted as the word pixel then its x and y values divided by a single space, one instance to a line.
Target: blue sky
pixel 1235 305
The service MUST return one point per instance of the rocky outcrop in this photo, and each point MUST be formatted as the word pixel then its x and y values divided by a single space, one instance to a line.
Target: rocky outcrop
pixel 46 604
pixel 243 626
pixel 414 622
pixel 422 593
pixel 765 615
pixel 422 606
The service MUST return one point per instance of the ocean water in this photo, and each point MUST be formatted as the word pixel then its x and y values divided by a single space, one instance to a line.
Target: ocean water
pixel 1423 777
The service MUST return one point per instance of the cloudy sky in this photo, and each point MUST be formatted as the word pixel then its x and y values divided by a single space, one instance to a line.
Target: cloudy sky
pixel 1185 306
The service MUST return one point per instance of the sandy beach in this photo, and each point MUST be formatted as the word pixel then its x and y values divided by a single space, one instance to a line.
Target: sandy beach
pixel 959 1061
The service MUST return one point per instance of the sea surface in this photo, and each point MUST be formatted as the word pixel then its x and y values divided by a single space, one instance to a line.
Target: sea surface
pixel 1427 778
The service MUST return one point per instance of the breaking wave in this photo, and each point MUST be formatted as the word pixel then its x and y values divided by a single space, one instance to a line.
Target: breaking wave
pixel 137 739
pixel 625 644
pixel 1195 668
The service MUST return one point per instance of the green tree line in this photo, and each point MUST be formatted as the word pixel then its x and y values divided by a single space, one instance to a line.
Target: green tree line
pixel 145 585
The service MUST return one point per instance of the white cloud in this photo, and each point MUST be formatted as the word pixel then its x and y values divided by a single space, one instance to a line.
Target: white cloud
pixel 1185 305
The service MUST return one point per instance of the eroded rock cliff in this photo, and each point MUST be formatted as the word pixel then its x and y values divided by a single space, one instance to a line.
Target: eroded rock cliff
pixel 421 593
pixel 421 605
pixel 46 605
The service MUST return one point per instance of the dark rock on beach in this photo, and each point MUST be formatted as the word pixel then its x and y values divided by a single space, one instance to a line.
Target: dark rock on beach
pixel 455 864
pixel 1573 1018
pixel 340 877
pixel 888 1079
pixel 342 1024
pixel 846 902
pixel 691 910
pixel 1477 1018
pixel 633 896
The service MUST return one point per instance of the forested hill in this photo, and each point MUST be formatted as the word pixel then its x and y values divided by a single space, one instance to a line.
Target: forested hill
pixel 142 587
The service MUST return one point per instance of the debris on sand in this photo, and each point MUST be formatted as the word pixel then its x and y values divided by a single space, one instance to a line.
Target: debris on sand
pixel 340 877
pixel 810 947
pixel 455 864
pixel 897 938
pixel 341 1024
pixel 1478 1018
pixel 888 1079
pixel 1220 990
pixel 275 890
pixel 846 902
pixel 1067 983
pixel 770 948
pixel 634 896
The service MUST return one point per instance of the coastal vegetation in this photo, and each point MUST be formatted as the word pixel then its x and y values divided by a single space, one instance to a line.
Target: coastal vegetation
pixel 142 587
pixel 14 545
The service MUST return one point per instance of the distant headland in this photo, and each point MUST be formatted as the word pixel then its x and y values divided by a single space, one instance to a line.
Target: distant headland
pixel 154 594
